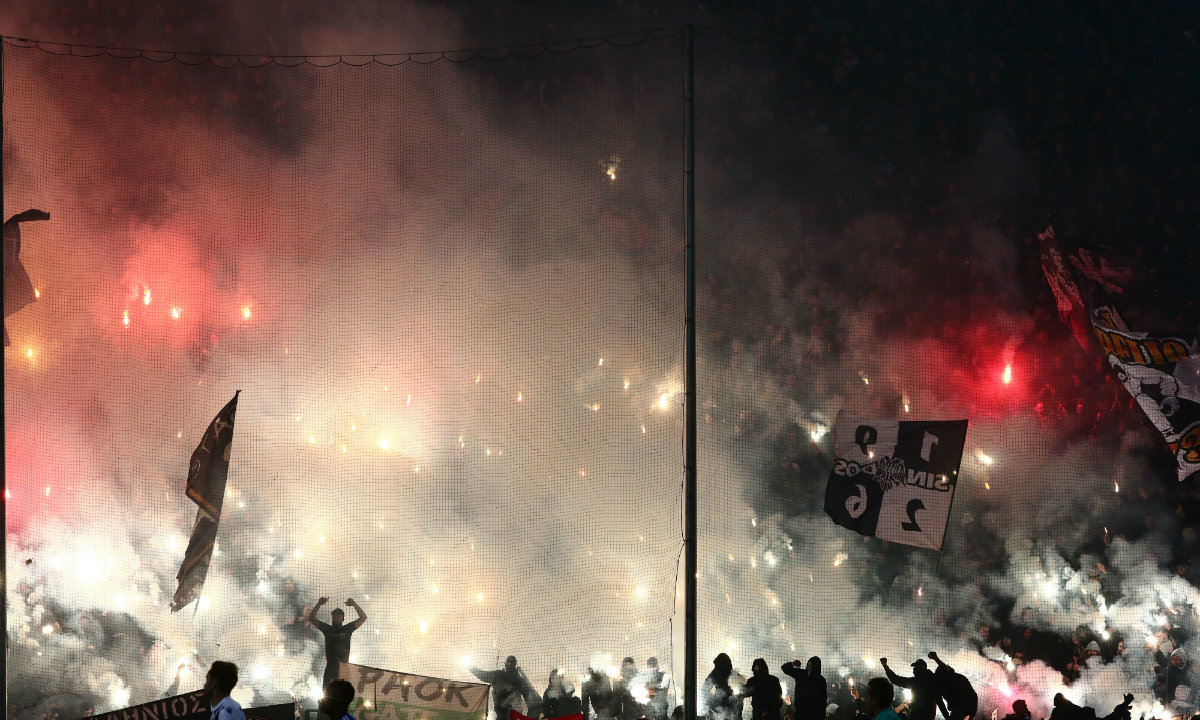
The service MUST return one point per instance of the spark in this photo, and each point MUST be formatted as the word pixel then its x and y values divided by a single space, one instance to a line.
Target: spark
pixel 662 401
pixel 905 407
pixel 125 318
pixel 753 522
pixel 601 362
pixel 246 313
pixel 1116 487
pixel 595 407
pixel 37 293
pixel 424 626
pixel 985 458
pixel 520 397
pixel 1007 377
pixel 383 443
pixel 47 629
pixel 626 384
pixel 839 559
pixel 866 380
pixel 921 591
pixel 177 311
pixel 987 485
pixel 639 591
pixel 29 353
pixel 479 597
pixel 146 297
pixel 465 661
pixel 818 432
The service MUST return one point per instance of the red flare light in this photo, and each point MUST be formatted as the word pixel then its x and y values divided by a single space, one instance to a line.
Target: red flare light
pixel 1007 377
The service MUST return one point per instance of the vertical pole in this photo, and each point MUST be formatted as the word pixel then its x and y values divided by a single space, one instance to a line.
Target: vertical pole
pixel 3 468
pixel 689 381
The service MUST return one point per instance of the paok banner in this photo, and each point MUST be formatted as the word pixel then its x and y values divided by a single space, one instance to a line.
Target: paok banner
pixel 389 695
pixel 1162 373
pixel 895 480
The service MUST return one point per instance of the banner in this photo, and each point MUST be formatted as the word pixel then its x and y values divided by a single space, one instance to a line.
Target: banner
pixel 18 289
pixel 1162 373
pixel 193 706
pixel 389 695
pixel 895 480
pixel 207 473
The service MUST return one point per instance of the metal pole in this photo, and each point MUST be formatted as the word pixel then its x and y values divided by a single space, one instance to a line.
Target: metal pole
pixel 3 468
pixel 689 381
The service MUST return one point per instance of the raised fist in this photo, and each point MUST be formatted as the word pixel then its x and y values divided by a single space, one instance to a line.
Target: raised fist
pixel 883 662
pixel 322 601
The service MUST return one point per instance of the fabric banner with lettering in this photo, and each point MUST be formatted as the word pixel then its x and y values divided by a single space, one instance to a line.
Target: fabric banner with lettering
pixel 1162 373
pixel 895 480
pixel 390 695
pixel 207 473
pixel 193 706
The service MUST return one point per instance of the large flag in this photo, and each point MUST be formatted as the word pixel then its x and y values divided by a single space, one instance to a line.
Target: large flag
pixel 207 473
pixel 895 480
pixel 1162 373
pixel 380 694
pixel 18 289
pixel 193 706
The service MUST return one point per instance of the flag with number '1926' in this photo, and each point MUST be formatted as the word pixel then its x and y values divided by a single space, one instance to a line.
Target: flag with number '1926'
pixel 895 480
pixel 207 473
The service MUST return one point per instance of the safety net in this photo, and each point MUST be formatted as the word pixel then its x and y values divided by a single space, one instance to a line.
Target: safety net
pixel 408 331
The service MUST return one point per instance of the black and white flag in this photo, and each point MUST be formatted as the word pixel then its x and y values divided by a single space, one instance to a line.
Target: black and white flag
pixel 895 480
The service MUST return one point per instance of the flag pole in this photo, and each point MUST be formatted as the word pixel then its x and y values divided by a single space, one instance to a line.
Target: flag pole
pixel 689 374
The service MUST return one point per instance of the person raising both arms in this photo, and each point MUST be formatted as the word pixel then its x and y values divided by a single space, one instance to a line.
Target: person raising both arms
pixel 337 636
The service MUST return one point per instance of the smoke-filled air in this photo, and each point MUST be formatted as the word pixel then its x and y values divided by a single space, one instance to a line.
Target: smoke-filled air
pixel 449 292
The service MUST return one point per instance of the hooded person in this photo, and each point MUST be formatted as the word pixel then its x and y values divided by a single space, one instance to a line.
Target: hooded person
pixel 957 700
pixel 559 699
pixel 509 687
pixel 922 685
pixel 811 695
pixel 722 692
pixel 766 694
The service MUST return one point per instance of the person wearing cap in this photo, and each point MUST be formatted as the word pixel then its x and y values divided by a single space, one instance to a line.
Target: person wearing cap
pixel 657 689
pixel 630 708
pixel 922 685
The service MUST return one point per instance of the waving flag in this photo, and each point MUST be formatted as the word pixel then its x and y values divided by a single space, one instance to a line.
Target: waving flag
pixel 895 480
pixel 207 473
pixel 18 289
pixel 1162 373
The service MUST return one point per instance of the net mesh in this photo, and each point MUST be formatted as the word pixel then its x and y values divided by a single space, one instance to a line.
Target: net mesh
pixel 451 295
pixel 448 294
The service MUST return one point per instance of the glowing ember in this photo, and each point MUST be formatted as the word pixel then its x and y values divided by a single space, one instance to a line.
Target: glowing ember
pixel 246 312
pixel 1007 377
